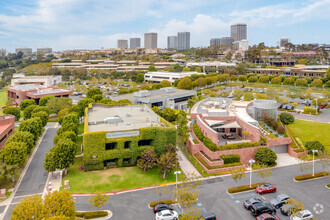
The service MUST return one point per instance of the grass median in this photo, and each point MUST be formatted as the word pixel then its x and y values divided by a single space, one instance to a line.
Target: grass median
pixel 244 188
pixel 310 176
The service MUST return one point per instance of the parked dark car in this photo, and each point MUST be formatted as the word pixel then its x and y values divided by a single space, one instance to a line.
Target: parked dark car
pixel 266 188
pixel 279 200
pixel 162 206
pixel 209 216
pixel 267 216
pixel 248 203
pixel 287 209
pixel 261 208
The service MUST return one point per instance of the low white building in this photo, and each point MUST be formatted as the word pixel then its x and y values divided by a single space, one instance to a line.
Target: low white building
pixel 241 45
pixel 169 76
pixel 39 80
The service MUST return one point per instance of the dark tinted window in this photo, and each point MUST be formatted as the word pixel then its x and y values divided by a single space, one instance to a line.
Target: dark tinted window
pixel 144 142
pixel 110 146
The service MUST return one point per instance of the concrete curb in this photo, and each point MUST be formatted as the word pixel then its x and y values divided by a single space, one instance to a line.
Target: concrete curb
pixel 310 179
pixel 110 214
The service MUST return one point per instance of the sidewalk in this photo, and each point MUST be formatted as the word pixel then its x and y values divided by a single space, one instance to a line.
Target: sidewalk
pixel 188 169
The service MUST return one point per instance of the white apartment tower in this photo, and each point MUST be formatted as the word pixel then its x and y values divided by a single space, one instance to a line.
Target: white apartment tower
pixel 122 44
pixel 238 32
pixel 134 43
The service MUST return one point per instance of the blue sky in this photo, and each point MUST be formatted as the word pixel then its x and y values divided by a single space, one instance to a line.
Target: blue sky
pixel 92 24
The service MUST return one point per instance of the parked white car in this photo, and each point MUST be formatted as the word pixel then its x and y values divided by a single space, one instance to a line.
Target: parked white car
pixel 302 215
pixel 167 215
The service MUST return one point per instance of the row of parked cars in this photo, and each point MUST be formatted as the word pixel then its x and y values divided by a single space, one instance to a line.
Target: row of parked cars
pixel 267 211
pixel 165 211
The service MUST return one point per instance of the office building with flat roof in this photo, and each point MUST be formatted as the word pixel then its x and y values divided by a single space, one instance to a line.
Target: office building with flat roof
pixel 238 32
pixel 183 40
pixel 40 80
pixel 167 97
pixel 150 40
pixel 7 128
pixel 25 51
pixel 122 44
pixel 116 135
pixel 157 77
pixel 172 42
pixel 134 43
pixel 41 51
pixel 215 41
pixel 226 41
pixel 241 45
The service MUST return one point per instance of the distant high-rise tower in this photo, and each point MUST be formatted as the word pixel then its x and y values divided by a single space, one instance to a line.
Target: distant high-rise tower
pixel 238 31
pixel 226 41
pixel 150 40
pixel 284 41
pixel 172 42
pixel 183 40
pixel 134 43
pixel 122 44
pixel 215 42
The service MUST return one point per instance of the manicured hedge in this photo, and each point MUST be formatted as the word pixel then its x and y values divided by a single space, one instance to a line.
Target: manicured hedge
pixel 238 145
pixel 231 158
pixel 167 201
pixel 198 157
pixel 310 176
pixel 195 141
pixel 244 188
pixel 91 215
pixel 310 110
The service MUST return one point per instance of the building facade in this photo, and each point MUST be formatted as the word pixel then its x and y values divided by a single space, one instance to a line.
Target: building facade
pixel 157 77
pixel 238 32
pixel 7 128
pixel 183 40
pixel 116 135
pixel 134 43
pixel 41 51
pixel 215 42
pixel 150 40
pixel 226 41
pixel 241 45
pixel 172 42
pixel 122 44
pixel 40 80
pixel 25 51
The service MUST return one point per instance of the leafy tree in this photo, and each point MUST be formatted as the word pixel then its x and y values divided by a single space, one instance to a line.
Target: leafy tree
pixel 61 155
pixel 328 73
pixel 314 145
pixel 93 91
pixel 186 69
pixel 176 82
pixel 22 137
pixel 170 114
pixel 28 111
pixel 276 80
pixel 11 110
pixel 41 109
pixel 286 118
pixel 57 104
pixel 295 206
pixel 317 83
pixel 183 129
pixel 98 200
pixel 140 78
pixel 67 134
pixel 301 82
pixel 266 156
pixel 8 171
pixel 253 79
pixel 43 100
pixel 237 174
pixel 83 104
pixel 165 83
pixel 303 61
pixel 27 102
pixel 70 118
pixel 98 97
pixel 14 153
pixel 264 79
pixel 262 171
pixel 28 208
pixel 242 78
pixel 148 159
pixel 106 101
pixel 185 83
pixel 42 115
pixel 59 203
pixel 167 162
pixel 288 81
pixel 152 68
pixel 233 78
pixel 33 125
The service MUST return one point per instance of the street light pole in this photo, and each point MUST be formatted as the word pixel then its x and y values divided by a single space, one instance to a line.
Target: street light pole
pixel 251 162
pixel 176 183
pixel 316 106
pixel 314 151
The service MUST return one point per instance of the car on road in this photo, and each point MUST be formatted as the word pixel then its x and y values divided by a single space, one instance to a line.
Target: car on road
pixel 162 206
pixel 287 209
pixel 167 215
pixel 209 216
pixel 302 215
pixel 267 216
pixel 248 203
pixel 323 106
pixel 279 200
pixel 261 208
pixel 266 188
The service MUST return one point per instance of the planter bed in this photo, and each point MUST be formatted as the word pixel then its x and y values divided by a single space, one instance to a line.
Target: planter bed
pixel 91 215
pixel 244 188
pixel 310 176
pixel 200 159
pixel 167 201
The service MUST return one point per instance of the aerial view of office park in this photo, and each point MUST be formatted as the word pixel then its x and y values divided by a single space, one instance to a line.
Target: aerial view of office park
pixel 164 110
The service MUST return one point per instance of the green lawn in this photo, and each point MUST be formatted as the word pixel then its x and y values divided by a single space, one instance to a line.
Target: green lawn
pixel 81 128
pixel 79 143
pixel 113 179
pixel 310 131
pixel 3 99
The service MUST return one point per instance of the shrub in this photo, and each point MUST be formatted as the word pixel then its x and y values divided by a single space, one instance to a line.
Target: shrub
pixel 310 110
pixel 200 159
pixel 253 79
pixel 301 82
pixel 11 110
pixel 280 129
pixel 67 134
pixel 42 115
pixel 244 188
pixel 198 132
pixel 24 137
pixel 237 145
pixel 167 201
pixel 286 118
pixel 91 215
pixel 266 156
pixel 263 141
pixel 209 144
pixel 28 111
pixel 231 158
pixel 68 127
pixel 27 102
pixel 242 78
pixel 43 100
pixel 41 109
pixel 310 176
pixel 314 145
pixel 264 79
pixel 195 141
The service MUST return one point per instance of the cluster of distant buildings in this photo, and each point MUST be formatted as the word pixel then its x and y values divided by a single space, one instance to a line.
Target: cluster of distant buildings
pixel 238 38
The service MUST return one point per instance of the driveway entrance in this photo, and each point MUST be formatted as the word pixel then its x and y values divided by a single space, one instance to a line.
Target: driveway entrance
pixel 285 159
pixel 279 149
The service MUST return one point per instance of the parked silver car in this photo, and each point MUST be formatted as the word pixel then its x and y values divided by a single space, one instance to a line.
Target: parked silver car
pixel 167 215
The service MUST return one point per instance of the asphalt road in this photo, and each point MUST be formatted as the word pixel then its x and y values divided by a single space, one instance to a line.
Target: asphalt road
pixel 213 197
pixel 35 177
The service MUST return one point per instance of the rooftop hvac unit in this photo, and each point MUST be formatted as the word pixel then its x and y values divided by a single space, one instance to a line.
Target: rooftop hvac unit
pixel 113 120
pixel 128 115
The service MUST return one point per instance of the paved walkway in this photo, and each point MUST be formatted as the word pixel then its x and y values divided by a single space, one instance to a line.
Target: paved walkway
pixel 188 169
pixel 285 159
